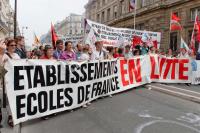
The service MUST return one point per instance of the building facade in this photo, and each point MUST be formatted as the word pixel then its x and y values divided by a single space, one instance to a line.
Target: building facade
pixel 70 26
pixel 6 19
pixel 152 15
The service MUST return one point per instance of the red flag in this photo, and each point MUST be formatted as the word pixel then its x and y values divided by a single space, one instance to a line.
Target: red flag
pixel 175 23
pixel 136 41
pixel 54 37
pixel 195 34
pixel 197 29
pixel 155 44
pixel 192 43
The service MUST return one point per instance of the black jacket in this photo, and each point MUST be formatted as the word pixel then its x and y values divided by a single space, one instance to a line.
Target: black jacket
pixel 21 53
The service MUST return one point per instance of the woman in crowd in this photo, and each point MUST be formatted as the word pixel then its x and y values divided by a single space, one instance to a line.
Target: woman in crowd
pixel 68 54
pixel 169 53
pixel 152 50
pixel 120 53
pixel 136 52
pixel 85 55
pixel 127 53
pixel 7 49
pixel 183 53
pixel 111 51
pixel 48 53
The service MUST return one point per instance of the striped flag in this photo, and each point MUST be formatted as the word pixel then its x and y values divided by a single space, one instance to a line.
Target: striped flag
pixel 195 34
pixel 175 23
pixel 132 5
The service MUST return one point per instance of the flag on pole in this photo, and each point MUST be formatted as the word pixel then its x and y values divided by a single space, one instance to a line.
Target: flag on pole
pixel 54 36
pixel 132 5
pixel 197 28
pixel 184 45
pixel 36 39
pixel 195 34
pixel 175 23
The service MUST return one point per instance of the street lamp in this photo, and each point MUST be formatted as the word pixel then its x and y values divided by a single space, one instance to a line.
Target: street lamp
pixel 24 28
pixel 15 20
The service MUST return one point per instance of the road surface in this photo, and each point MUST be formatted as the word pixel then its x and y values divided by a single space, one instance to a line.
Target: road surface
pixel 134 111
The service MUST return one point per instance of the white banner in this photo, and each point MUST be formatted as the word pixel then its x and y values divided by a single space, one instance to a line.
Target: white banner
pixel 112 36
pixel 37 88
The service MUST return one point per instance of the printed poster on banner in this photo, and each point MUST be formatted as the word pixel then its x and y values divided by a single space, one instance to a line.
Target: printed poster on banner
pixel 112 36
pixel 195 72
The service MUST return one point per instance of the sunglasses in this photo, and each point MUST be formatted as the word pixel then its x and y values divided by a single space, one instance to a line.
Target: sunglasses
pixel 12 45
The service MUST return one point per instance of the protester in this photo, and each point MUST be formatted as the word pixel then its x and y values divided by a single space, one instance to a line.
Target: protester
pixel 59 49
pixel 79 51
pixel 198 56
pixel 8 49
pixel 111 51
pixel 137 52
pixel 127 53
pixel 20 50
pixel 120 53
pixel 153 50
pixel 86 55
pixel 29 54
pixel 41 49
pixel 183 53
pixel 169 53
pixel 48 53
pixel 99 53
pixel 68 54
pixel 36 54
pixel 144 49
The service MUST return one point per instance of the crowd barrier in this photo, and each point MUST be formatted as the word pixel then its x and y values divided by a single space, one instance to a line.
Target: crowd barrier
pixel 36 88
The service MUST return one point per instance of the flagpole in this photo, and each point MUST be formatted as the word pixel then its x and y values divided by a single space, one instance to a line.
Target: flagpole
pixel 170 31
pixel 135 13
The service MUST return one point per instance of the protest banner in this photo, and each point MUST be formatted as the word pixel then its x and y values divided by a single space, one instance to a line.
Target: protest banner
pixel 37 88
pixel 112 36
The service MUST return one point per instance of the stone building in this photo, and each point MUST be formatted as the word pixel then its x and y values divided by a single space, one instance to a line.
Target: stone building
pixel 6 19
pixel 70 26
pixel 153 15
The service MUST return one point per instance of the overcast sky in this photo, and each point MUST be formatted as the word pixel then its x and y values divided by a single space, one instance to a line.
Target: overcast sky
pixel 37 15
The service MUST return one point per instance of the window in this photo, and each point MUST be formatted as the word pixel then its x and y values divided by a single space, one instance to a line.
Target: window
pixel 98 4
pixel 148 2
pixel 115 12
pixel 102 16
pixel 173 41
pixel 194 12
pixel 108 14
pixel 122 7
pixel 98 17
pixel 140 26
pixel 103 2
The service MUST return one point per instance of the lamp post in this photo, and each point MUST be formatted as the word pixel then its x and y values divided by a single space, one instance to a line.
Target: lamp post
pixel 24 28
pixel 15 20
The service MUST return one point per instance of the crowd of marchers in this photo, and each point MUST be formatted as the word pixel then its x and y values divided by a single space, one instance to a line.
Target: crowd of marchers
pixel 14 49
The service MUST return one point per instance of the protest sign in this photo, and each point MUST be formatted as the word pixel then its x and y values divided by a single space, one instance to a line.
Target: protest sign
pixel 112 36
pixel 37 88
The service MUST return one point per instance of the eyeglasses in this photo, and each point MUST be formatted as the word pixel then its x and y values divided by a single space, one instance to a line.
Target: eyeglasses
pixel 12 45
